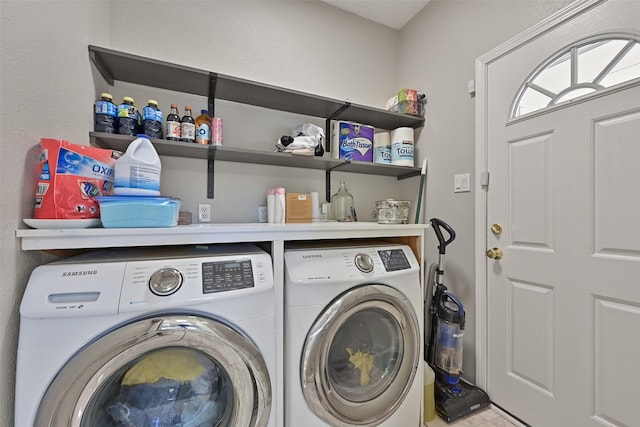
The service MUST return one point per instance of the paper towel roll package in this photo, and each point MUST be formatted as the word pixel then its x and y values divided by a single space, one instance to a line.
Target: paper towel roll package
pixel 402 147
pixel 382 148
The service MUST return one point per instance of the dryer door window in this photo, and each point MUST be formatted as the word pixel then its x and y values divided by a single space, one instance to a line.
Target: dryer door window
pixel 171 370
pixel 361 356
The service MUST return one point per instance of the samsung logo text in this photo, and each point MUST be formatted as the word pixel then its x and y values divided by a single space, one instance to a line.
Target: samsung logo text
pixel 79 273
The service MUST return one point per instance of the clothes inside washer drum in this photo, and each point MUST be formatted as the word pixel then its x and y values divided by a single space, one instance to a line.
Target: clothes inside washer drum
pixel 172 364
pixel 170 387
pixel 362 361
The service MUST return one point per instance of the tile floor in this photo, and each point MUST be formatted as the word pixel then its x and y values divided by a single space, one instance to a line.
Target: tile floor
pixel 485 418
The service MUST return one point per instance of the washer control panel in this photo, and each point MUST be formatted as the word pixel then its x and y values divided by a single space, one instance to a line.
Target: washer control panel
pixel 226 275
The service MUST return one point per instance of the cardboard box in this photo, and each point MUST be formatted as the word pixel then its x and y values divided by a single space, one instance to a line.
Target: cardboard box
pixel 298 208
pixel 405 94
pixel 408 102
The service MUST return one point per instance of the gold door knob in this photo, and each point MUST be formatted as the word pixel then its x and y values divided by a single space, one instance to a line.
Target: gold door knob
pixel 495 253
pixel 496 229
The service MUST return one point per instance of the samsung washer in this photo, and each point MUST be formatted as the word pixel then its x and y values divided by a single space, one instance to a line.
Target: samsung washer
pixel 132 337
pixel 353 336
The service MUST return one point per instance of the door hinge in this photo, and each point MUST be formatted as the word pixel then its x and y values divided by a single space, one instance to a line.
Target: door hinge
pixel 484 179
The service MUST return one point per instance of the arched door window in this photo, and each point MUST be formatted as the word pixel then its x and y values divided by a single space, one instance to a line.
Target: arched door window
pixel 581 70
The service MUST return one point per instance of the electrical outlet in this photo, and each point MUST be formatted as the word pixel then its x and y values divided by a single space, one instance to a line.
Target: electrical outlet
pixel 204 212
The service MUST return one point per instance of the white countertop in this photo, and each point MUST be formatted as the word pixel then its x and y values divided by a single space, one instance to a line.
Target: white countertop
pixel 48 239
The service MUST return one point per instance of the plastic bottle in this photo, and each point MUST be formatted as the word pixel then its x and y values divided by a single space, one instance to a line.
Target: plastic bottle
pixel 172 132
pixel 152 119
pixel 342 205
pixel 188 126
pixel 128 117
pixel 428 379
pixel 271 205
pixel 105 114
pixel 280 206
pixel 203 128
pixel 137 172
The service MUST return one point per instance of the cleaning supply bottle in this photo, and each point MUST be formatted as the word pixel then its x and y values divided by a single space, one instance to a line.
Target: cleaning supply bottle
pixel 428 380
pixel 137 172
pixel 271 205
pixel 280 208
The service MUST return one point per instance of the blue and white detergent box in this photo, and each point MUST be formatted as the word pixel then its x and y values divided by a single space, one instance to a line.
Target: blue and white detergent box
pixel 352 141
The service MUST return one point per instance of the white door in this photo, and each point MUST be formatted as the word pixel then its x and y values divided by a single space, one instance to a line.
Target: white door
pixel 562 306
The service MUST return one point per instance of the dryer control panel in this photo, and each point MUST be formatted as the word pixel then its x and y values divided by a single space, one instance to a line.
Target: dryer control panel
pixel 394 259
pixel 349 263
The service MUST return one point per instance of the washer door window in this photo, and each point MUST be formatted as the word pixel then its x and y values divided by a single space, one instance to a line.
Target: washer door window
pixel 361 356
pixel 165 371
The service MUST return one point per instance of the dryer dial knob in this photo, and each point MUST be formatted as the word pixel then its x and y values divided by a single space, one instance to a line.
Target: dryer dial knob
pixel 364 263
pixel 165 281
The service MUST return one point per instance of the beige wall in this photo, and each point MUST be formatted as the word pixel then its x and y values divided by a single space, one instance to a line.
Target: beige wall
pixel 47 86
pixel 437 54
pixel 45 89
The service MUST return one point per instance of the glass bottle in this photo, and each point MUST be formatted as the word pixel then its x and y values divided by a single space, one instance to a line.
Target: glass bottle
pixel 188 126
pixel 173 124
pixel 342 209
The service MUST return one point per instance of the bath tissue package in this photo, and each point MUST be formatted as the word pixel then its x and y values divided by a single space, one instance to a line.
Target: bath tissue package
pixel 352 141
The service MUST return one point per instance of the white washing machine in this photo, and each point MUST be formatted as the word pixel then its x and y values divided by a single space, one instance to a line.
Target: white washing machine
pixel 149 337
pixel 353 336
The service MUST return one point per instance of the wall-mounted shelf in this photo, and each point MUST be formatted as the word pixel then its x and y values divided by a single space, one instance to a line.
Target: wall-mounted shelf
pixel 228 154
pixel 114 65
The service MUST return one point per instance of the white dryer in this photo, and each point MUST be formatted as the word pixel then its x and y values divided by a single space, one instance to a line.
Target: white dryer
pixel 151 336
pixel 353 336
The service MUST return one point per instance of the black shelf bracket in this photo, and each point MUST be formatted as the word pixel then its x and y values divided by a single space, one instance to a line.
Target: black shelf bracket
pixel 211 166
pixel 327 126
pixel 327 180
pixel 409 175
pixel 211 102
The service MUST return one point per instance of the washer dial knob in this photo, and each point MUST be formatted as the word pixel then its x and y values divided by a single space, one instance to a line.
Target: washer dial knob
pixel 364 263
pixel 165 281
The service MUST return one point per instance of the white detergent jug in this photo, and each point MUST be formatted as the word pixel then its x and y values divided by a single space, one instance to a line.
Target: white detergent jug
pixel 137 172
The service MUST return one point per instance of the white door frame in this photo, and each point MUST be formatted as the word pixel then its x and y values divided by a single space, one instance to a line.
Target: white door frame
pixel 482 176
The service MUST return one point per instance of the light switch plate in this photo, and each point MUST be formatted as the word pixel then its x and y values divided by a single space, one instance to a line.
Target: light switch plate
pixel 462 183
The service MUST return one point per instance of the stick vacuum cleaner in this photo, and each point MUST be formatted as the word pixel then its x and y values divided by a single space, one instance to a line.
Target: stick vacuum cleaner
pixel 444 323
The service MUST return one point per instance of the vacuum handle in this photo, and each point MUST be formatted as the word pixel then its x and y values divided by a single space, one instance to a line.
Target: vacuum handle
pixel 438 225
